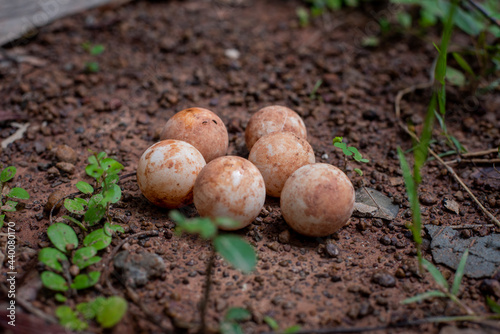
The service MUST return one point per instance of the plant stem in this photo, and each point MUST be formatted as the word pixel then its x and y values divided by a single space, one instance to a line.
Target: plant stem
pixel 457 301
pixel 206 292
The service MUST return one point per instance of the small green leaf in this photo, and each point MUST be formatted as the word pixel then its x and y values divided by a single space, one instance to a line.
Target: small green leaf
pixel 237 314
pixel 424 296
pixel 7 174
pixel 97 239
pixel 459 274
pixel 271 322
pixel 112 194
pixel 86 310
pixel 230 328
pixel 236 251
pixel 96 305
pixel 96 50
pixel 370 41
pixel 75 221
pixel 92 66
pixel 82 201
pixel 94 214
pixel 84 281
pixel 292 329
pixel 62 235
pixel 84 187
pixel 95 199
pixel 60 297
pixel 202 226
pixel 101 155
pixel 436 274
pixel 112 311
pixel 74 206
pixel 117 228
pixel 359 171
pixel 85 257
pixel 227 223
pixel 347 152
pixel 93 160
pixel 404 19
pixel 463 63
pixel 494 307
pixel 2 219
pixel 53 281
pixel 52 258
pixel 176 216
pixel 337 140
pixel 9 206
pixel 111 165
pixel 303 16
pixel 94 171
pixel 69 319
pixel 18 193
pixel 364 160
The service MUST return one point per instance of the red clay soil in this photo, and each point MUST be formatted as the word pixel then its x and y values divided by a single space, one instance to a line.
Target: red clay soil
pixel 162 57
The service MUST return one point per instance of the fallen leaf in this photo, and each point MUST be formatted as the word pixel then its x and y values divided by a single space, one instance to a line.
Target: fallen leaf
pixel 451 205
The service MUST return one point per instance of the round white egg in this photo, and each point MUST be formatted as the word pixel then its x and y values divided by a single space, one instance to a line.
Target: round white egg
pixel 273 119
pixel 167 171
pixel 317 200
pixel 230 187
pixel 277 156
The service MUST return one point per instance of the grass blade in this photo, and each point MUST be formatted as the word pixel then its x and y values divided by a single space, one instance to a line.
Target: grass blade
pixel 423 296
pixel 436 274
pixel 459 273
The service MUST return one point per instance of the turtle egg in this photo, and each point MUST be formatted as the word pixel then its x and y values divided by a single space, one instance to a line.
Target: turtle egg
pixel 273 119
pixel 317 200
pixel 277 156
pixel 201 128
pixel 167 171
pixel 230 187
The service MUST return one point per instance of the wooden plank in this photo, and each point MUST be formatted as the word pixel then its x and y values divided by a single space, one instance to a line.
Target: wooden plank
pixel 20 17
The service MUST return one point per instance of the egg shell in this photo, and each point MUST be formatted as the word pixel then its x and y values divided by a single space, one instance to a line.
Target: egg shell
pixel 201 128
pixel 273 119
pixel 317 200
pixel 277 156
pixel 230 187
pixel 167 171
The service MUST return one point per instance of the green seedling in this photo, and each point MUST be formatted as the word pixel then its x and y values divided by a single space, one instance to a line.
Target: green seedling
pixel 313 95
pixel 444 290
pixel 93 50
pixel 106 311
pixel 6 201
pixel 235 250
pixel 273 324
pixel 349 151
pixel 105 172
pixel 66 252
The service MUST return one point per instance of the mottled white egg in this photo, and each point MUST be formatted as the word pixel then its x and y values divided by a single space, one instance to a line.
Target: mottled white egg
pixel 201 128
pixel 273 119
pixel 277 156
pixel 230 187
pixel 167 171
pixel 317 200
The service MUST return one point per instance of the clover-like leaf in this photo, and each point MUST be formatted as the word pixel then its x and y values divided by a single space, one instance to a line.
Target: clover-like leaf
pixel 7 174
pixel 9 206
pixel 237 314
pixel 112 194
pixel 97 239
pixel 111 165
pixel 61 236
pixel 94 214
pixel 53 281
pixel 84 187
pixel 74 206
pixel 52 258
pixel 112 311
pixel 85 257
pixel 18 193
pixel 84 281
pixel 69 319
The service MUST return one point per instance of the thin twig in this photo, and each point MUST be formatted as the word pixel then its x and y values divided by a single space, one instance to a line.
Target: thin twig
pixel 480 153
pixel 463 226
pixel 472 161
pixel 206 292
pixel 435 155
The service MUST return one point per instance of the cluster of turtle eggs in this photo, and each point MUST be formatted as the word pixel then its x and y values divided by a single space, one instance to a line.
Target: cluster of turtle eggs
pixel 190 165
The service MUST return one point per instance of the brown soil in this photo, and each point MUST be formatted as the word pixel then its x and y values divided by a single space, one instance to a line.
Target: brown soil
pixel 162 57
